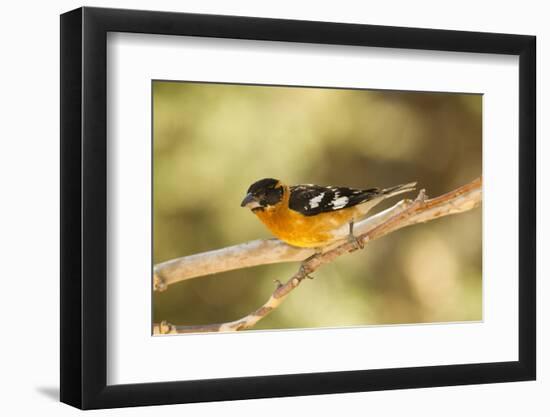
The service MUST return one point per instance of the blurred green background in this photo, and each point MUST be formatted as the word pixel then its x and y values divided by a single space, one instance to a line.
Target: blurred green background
pixel 211 141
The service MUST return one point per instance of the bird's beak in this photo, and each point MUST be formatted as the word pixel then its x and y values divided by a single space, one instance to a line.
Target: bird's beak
pixel 250 202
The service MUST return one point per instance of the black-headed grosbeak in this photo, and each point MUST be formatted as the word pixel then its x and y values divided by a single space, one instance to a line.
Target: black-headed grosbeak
pixel 309 215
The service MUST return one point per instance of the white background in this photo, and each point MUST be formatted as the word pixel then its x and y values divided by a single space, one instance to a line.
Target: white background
pixel 30 196
pixel 133 60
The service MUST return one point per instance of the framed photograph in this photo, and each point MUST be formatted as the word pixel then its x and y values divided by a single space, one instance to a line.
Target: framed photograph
pixel 258 208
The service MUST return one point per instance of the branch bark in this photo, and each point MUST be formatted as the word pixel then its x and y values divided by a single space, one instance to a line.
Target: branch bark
pixel 260 252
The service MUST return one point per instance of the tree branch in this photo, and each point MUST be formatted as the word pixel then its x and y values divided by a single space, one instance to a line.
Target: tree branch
pixel 405 213
pixel 253 253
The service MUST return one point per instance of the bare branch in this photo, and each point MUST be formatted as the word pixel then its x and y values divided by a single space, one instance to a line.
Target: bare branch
pixel 253 253
pixel 403 214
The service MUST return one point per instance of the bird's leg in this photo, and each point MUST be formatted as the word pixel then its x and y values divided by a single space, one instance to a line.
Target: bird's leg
pixel 303 268
pixel 353 239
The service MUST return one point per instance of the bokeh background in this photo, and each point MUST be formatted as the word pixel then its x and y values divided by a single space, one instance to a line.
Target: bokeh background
pixel 211 141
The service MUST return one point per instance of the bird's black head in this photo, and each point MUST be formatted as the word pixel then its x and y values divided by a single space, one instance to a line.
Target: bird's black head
pixel 263 193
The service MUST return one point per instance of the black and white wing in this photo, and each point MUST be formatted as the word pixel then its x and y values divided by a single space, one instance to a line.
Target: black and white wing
pixel 310 199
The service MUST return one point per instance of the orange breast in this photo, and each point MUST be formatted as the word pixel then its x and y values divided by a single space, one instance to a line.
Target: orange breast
pixel 304 231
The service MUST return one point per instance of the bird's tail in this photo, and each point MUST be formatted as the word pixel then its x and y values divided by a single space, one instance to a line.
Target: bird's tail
pixel 399 189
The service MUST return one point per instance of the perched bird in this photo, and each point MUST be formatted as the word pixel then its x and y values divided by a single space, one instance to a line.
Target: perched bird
pixel 310 215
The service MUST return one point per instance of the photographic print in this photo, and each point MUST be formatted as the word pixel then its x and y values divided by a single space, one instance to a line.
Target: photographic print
pixel 237 188
pixel 368 200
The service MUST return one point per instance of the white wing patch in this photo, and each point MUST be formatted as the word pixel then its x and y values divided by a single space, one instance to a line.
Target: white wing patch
pixel 310 200
pixel 339 202
pixel 314 202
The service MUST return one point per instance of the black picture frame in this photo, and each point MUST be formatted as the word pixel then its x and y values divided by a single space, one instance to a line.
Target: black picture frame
pixel 84 207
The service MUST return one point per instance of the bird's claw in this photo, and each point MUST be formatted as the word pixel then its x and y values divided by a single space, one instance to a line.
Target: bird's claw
pixel 304 271
pixel 357 243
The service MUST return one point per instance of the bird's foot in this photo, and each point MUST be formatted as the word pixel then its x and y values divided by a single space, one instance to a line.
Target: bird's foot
pixel 357 243
pixel 305 271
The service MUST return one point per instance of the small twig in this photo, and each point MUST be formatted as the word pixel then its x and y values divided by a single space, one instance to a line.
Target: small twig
pixel 421 210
